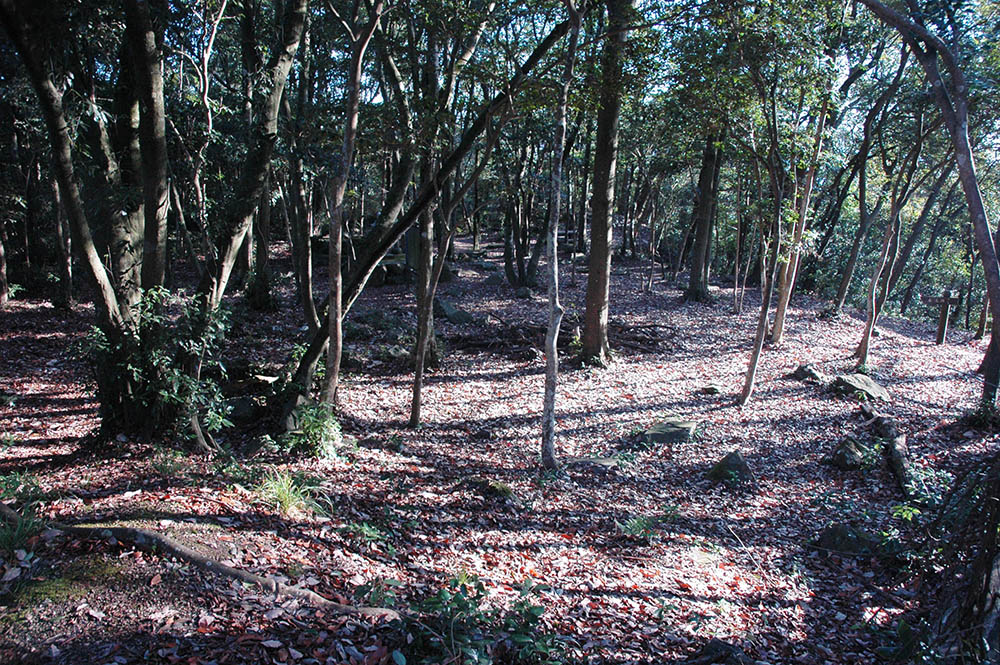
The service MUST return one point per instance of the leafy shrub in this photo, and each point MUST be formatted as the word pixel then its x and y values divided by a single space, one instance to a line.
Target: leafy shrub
pixel 144 375
pixel 318 433
pixel 455 625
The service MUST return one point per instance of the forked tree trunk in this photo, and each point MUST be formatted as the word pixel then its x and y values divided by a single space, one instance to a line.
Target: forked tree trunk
pixel 791 268
pixel 359 46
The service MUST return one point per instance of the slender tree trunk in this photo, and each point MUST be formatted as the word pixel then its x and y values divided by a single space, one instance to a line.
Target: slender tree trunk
pixel 64 299
pixel 548 452
pixel 791 269
pixel 4 285
pixel 334 353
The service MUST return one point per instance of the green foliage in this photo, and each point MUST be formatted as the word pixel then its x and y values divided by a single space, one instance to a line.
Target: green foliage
pixel 8 440
pixel 20 488
pixel 144 373
pixel 227 466
pixel 14 290
pixel 24 490
pixel 456 625
pixel 318 433
pixel 14 535
pixel 929 485
pixel 169 463
pixel 640 527
pixel 289 493
pixel 908 644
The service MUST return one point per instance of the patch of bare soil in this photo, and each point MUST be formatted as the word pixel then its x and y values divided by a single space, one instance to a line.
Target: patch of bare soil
pixel 643 560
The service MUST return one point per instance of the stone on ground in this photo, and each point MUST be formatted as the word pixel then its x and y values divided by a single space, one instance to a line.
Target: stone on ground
pixel 717 652
pixel 710 389
pixel 671 430
pixel 451 313
pixel 494 280
pixel 523 292
pixel 849 455
pixel 850 384
pixel 731 470
pixel 809 373
pixel 845 539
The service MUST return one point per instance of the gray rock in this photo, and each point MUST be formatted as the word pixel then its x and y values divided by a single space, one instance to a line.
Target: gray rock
pixel 809 373
pixel 290 418
pixel 451 313
pixel 710 389
pixel 671 430
pixel 243 410
pixel 523 292
pixel 495 280
pixel 491 490
pixel 397 352
pixel 848 456
pixel 447 274
pixel 851 384
pixel 731 470
pixel 845 539
pixel 717 652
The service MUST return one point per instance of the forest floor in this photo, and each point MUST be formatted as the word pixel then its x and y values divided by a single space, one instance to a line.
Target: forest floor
pixel 641 561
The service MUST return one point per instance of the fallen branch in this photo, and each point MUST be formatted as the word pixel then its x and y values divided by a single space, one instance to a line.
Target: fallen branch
pixel 158 542
pixel 896 450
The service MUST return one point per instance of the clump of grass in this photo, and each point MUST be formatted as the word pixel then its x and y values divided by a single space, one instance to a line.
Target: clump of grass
pixel 14 535
pixel 169 463
pixel 289 493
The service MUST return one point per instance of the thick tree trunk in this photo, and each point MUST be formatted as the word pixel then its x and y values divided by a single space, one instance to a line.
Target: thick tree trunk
pixel 148 68
pixel 697 289
pixel 595 322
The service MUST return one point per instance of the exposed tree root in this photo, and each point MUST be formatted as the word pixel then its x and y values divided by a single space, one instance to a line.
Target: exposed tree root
pixel 158 542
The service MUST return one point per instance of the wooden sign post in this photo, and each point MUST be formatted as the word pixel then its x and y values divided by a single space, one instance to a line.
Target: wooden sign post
pixel 945 301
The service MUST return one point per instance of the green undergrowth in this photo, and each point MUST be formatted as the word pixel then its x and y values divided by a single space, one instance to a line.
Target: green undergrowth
pixel 459 624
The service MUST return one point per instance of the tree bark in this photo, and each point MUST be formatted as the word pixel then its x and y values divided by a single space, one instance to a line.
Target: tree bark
pixel 595 328
pixel 148 68
pixel 556 310
pixel 359 46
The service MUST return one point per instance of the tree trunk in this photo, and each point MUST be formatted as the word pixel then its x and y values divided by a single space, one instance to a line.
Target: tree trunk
pixel 595 328
pixel 64 299
pixel 548 452
pixel 697 289
pixel 791 268
pixel 148 68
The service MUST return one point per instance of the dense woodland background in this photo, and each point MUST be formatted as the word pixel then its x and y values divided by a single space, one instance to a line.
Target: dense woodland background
pixel 195 169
